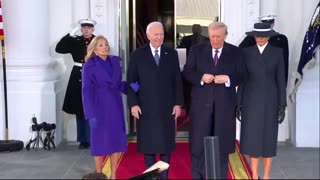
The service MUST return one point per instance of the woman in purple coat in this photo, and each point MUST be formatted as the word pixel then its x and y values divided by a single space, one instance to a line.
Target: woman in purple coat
pixel 102 103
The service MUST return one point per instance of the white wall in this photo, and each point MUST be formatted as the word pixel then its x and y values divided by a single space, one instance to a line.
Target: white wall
pixel 307 108
pixel 293 21
pixel 33 85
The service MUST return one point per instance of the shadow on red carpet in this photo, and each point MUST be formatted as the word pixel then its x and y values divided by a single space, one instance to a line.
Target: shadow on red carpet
pixel 132 163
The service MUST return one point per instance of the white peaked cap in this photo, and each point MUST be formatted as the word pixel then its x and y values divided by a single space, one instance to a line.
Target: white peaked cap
pixel 87 22
pixel 267 17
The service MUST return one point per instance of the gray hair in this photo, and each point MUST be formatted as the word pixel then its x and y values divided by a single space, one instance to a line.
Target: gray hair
pixel 152 24
pixel 217 25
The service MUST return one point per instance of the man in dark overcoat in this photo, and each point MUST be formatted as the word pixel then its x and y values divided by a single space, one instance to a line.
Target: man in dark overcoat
pixel 187 42
pixel 214 69
pixel 278 40
pixel 77 47
pixel 156 103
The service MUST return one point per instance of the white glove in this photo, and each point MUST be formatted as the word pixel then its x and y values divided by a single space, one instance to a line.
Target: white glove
pixel 74 30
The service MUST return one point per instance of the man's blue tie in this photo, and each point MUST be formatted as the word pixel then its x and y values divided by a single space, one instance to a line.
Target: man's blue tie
pixel 156 56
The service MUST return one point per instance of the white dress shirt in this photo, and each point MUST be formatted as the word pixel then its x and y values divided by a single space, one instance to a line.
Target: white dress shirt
pixel 261 48
pixel 153 49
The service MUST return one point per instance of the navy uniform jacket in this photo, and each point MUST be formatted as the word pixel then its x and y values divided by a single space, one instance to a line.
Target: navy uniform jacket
pixel 280 41
pixel 77 47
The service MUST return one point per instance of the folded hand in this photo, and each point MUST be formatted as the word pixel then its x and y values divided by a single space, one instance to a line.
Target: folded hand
pixel 281 114
pixel 238 112
pixel 176 111
pixel 135 111
pixel 220 79
pixel 207 78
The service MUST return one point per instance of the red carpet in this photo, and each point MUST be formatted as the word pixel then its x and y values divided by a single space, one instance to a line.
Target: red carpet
pixel 132 164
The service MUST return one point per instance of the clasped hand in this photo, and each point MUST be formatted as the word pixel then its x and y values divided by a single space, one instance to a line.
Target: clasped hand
pixel 218 79
pixel 176 111
pixel 281 114
pixel 238 112
pixel 136 111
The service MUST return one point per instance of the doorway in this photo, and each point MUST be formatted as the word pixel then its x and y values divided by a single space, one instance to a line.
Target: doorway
pixel 142 12
pixel 177 17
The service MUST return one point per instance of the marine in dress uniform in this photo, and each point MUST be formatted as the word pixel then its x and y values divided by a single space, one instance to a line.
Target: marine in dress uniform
pixel 77 47
pixel 279 40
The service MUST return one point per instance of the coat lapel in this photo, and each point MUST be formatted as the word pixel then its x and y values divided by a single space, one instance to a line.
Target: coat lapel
pixel 208 55
pixel 101 72
pixel 115 67
pixel 163 54
pixel 149 56
pixel 224 56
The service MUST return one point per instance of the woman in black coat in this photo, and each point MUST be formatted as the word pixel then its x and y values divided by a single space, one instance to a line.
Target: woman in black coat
pixel 261 99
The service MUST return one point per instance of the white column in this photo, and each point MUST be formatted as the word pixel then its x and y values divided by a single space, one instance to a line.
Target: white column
pixel 106 13
pixel 80 10
pixel 269 7
pixel 240 17
pixel 232 16
pixel 33 85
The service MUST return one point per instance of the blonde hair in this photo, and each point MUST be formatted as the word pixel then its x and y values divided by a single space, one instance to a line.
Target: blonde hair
pixel 216 25
pixel 92 46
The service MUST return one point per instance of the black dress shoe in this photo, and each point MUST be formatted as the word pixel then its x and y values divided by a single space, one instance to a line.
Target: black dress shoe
pixel 87 145
pixel 84 145
pixel 81 145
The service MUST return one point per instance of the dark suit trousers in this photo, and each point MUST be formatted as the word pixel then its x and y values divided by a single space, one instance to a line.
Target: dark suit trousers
pixel 198 170
pixel 150 159
pixel 198 161
pixel 83 129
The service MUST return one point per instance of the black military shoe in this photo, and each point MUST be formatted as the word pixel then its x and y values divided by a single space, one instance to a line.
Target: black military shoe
pixel 84 145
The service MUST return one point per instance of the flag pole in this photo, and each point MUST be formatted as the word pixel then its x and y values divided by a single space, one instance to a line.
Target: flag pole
pixel 5 87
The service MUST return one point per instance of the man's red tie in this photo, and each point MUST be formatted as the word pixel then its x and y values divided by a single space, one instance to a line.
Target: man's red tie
pixel 215 58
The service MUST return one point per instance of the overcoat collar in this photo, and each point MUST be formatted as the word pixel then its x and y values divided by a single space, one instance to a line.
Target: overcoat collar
pixel 102 72
pixel 163 53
